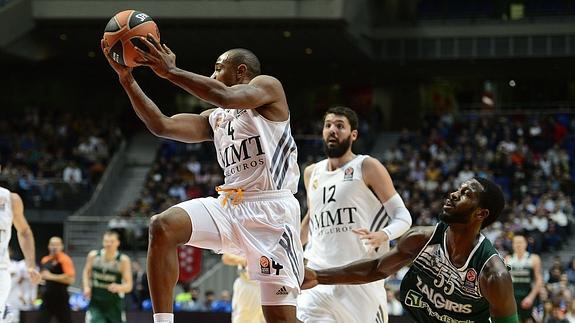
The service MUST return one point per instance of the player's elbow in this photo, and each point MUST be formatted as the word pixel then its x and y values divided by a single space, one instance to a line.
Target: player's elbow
pixel 158 128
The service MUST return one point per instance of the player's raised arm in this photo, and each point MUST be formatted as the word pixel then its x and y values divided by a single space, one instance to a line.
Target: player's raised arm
pixel 233 85
pixel 407 249
pixel 183 127
pixel 496 286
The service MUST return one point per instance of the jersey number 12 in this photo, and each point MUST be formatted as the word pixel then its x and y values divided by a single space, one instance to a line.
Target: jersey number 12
pixel 331 191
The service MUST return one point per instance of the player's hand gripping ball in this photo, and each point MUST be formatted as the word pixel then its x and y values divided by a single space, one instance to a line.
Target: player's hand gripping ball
pixel 123 32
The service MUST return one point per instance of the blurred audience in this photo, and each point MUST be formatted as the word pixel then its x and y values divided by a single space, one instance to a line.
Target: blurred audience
pixel 53 160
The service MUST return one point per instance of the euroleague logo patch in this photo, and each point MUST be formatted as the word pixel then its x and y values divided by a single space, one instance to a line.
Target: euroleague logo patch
pixel 348 174
pixel 470 279
pixel 265 265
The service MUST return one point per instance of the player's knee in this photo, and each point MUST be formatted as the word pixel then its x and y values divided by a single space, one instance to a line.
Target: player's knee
pixel 172 227
pixel 159 228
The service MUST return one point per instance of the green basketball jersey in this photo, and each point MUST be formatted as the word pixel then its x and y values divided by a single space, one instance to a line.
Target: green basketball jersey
pixel 522 275
pixel 434 290
pixel 105 273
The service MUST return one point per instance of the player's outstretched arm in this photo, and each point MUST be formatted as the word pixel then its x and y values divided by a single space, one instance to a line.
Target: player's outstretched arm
pixel 183 127
pixel 407 249
pixel 496 286
pixel 25 237
pixel 261 91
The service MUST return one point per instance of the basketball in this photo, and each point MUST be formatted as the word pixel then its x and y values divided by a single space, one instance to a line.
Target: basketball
pixel 122 34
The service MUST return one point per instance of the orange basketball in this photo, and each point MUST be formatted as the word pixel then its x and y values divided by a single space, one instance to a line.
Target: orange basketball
pixel 122 34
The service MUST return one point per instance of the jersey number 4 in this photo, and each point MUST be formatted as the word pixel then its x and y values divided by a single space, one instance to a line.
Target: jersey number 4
pixel 231 130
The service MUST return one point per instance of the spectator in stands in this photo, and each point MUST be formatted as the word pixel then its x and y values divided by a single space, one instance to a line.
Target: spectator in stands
pixel 209 298
pixel 72 174
pixel 393 305
pixel 223 303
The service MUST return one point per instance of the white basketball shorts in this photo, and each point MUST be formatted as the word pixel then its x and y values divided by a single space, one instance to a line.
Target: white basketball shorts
pixel 5 283
pixel 344 304
pixel 264 228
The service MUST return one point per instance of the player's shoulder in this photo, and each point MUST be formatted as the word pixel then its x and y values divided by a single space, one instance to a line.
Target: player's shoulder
pixel 370 162
pixel 92 253
pixel 265 79
pixel 309 169
pixel 494 271
pixel 15 197
pixel 124 257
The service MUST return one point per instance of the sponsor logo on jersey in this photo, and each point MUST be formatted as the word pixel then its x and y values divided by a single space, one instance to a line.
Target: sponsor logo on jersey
pixel 282 291
pixel 415 300
pixel 265 265
pixel 3 203
pixel 334 221
pixel 348 174
pixel 239 112
pixel 440 301
pixel 469 284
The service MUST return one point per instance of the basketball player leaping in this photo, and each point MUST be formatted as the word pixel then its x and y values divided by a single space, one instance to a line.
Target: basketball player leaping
pixel 455 274
pixel 256 214
pixel 353 213
pixel 12 213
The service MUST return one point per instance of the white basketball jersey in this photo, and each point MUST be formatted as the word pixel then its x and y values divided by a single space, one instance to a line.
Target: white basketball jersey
pixel 256 154
pixel 5 226
pixel 339 202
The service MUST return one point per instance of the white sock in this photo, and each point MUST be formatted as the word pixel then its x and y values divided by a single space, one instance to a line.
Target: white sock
pixel 164 318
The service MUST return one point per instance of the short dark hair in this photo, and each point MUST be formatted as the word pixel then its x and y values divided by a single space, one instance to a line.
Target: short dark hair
pixel 492 199
pixel 112 233
pixel 239 56
pixel 346 112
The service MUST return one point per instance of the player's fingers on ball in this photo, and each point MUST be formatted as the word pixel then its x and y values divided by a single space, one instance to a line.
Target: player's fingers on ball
pixel 154 41
pixel 151 46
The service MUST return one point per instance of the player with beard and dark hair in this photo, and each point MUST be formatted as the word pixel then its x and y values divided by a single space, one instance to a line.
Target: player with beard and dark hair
pixel 456 275
pixel 353 213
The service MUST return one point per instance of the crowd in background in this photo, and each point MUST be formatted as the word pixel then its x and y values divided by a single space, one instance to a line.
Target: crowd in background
pixel 53 160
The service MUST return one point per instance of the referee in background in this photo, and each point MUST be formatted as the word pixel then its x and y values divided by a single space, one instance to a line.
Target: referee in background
pixel 57 271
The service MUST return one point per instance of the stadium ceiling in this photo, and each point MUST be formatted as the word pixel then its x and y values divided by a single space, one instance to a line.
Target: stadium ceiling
pixel 291 31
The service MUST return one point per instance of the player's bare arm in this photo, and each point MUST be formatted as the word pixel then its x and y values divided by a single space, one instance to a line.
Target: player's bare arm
pixel 126 285
pixel 496 286
pixel 305 222
pixel 87 273
pixel 527 302
pixel 377 178
pixel 407 249
pixel 185 127
pixel 25 237
pixel 263 92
